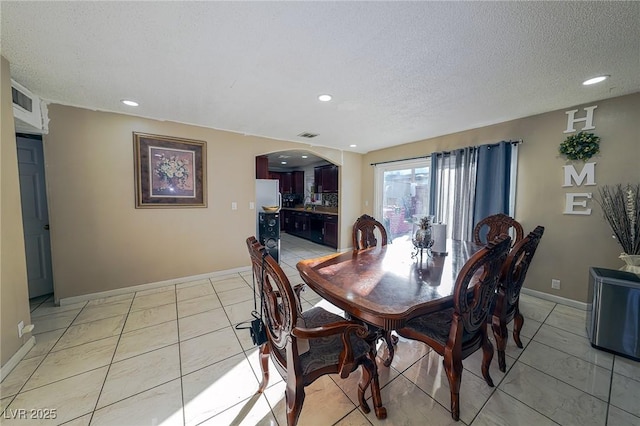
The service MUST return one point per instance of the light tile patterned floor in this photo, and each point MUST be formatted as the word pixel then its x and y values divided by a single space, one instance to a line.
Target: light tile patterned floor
pixel 171 356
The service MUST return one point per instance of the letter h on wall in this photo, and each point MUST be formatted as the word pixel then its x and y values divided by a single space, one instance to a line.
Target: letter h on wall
pixel 588 119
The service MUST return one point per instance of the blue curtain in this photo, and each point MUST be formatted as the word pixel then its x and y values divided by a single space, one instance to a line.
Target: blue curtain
pixel 470 184
pixel 493 181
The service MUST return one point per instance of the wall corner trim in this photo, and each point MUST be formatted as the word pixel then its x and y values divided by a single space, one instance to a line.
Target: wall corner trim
pixel 16 358
pixel 132 289
pixel 556 299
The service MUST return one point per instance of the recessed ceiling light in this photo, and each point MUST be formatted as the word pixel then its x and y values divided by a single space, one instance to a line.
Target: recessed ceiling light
pixel 353 145
pixel 305 156
pixel 324 98
pixel 595 80
pixel 129 102
pixel 283 162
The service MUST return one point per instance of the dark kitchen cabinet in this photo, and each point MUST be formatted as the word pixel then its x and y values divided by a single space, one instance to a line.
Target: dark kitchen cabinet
pixel 318 227
pixel 290 182
pixel 326 178
pixel 285 183
pixel 301 224
pixel 262 167
pixel 317 179
pixel 306 226
pixel 297 182
pixel 330 179
pixel 330 231
pixel 274 176
pixel 296 223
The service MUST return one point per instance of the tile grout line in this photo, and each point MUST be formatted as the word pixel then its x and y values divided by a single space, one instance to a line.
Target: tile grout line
pixel 184 414
pixel 518 360
pixel 549 375
pixel 606 418
pixel 44 357
pixel 106 376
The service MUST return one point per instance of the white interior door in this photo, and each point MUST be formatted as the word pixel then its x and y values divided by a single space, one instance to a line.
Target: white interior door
pixel 35 215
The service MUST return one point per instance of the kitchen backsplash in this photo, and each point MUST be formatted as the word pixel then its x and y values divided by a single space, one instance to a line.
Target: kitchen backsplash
pixel 330 199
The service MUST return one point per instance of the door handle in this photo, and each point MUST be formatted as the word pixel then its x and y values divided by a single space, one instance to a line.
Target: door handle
pixel 46 227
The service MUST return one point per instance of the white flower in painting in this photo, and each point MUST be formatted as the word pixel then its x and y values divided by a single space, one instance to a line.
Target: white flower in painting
pixel 172 171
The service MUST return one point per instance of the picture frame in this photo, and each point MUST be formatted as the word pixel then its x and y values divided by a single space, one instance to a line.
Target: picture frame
pixel 169 172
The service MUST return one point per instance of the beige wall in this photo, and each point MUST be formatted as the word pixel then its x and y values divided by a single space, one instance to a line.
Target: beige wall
pixel 571 243
pixel 101 242
pixel 14 298
pixel 350 181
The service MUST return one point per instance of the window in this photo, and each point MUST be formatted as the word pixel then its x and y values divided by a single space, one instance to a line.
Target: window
pixel 401 194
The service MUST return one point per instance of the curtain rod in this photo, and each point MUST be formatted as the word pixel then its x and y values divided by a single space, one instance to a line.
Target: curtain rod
pixel 402 159
pixel 516 142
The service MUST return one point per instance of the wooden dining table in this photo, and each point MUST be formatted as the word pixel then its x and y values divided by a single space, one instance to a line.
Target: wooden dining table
pixel 386 286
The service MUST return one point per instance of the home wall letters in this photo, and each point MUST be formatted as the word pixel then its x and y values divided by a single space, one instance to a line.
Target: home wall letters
pixel 576 202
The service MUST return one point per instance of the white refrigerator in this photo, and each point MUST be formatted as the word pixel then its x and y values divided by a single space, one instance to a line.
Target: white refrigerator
pixel 267 194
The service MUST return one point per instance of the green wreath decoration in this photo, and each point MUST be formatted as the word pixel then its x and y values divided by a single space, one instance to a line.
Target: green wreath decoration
pixel 580 146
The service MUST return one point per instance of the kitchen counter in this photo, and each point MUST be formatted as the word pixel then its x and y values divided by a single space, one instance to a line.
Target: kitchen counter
pixel 318 209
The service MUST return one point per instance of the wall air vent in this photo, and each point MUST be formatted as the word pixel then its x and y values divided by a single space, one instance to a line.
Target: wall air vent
pixel 29 111
pixel 308 135
pixel 21 100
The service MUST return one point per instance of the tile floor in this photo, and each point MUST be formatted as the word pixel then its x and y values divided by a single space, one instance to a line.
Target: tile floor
pixel 171 356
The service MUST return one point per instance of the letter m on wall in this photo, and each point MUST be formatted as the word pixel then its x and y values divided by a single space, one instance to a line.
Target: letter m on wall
pixel 588 172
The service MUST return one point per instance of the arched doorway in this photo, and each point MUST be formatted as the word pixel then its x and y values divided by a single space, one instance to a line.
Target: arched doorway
pixel 308 185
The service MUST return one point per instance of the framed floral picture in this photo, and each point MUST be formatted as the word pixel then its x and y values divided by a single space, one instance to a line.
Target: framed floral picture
pixel 169 172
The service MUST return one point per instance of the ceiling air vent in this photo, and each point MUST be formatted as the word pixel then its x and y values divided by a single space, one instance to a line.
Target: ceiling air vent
pixel 308 135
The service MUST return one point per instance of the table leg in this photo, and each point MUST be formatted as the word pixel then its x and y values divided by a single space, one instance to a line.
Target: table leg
pixel 380 411
pixel 391 341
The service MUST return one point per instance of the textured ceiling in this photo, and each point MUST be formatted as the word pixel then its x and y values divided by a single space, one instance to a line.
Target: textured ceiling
pixel 398 71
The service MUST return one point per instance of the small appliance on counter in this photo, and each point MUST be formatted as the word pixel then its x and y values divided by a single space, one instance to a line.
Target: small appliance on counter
pixel 288 200
pixel 291 200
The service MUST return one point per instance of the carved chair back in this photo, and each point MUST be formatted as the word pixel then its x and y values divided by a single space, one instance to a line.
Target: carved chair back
pixel 279 303
pixel 364 233
pixel 517 265
pixel 507 303
pixel 482 272
pixel 455 333
pixel 491 226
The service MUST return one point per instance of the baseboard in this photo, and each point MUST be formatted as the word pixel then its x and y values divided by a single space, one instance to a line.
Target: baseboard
pixel 16 358
pixel 148 286
pixel 556 299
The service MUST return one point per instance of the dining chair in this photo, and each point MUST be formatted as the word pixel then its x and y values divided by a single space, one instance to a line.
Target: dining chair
pixel 307 345
pixel 364 233
pixel 364 236
pixel 492 226
pixel 457 332
pixel 507 302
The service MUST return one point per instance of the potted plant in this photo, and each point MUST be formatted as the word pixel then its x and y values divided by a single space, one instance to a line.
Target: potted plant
pixel 621 207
